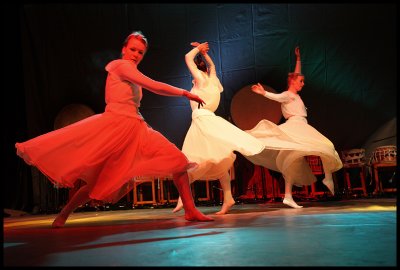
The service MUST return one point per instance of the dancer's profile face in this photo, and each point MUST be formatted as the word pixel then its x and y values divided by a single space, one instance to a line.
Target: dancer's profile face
pixel 134 50
pixel 298 83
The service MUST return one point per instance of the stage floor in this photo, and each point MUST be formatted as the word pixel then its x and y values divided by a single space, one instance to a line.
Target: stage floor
pixel 358 232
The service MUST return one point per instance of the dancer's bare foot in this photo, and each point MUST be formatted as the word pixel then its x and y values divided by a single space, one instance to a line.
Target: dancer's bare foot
pixel 59 221
pixel 291 203
pixel 196 215
pixel 225 207
pixel 178 206
pixel 329 184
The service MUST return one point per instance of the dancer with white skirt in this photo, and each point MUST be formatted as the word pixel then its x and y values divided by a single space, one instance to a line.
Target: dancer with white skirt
pixel 291 163
pixel 211 140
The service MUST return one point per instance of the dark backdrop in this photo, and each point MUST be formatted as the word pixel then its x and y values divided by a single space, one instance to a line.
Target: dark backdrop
pixel 55 55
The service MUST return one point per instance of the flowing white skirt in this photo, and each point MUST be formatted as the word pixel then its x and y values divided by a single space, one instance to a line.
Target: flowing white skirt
pixel 286 146
pixel 210 142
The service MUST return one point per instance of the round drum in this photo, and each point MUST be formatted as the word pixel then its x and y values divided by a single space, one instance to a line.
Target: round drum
pixel 249 108
pixel 353 157
pixel 384 154
pixel 72 113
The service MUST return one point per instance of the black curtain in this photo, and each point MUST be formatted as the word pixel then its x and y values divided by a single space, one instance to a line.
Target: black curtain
pixel 55 55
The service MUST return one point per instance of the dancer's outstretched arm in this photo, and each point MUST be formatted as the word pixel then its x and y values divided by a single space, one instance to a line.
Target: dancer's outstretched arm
pixel 128 71
pixel 282 97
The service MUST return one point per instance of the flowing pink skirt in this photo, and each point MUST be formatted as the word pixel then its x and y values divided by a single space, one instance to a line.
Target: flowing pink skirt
pixel 106 151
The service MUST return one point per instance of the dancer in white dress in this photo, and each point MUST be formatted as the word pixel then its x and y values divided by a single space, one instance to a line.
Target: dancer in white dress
pixel 211 140
pixel 291 163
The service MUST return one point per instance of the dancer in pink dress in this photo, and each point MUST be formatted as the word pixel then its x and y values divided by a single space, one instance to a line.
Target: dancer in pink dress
pixel 211 140
pixel 108 150
pixel 291 163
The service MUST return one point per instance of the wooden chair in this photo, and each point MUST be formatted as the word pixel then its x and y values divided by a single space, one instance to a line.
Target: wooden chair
pixel 317 169
pixel 383 157
pixel 354 159
pixel 195 190
pixel 167 190
pixel 138 185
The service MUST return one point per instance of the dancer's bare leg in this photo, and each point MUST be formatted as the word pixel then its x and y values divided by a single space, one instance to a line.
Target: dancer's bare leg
pixel 288 200
pixel 328 182
pixel 181 181
pixel 225 181
pixel 179 205
pixel 80 197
